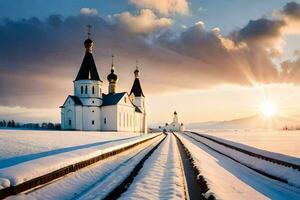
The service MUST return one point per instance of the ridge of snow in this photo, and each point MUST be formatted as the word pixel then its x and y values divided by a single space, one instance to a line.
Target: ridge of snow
pixel 94 181
pixel 25 171
pixel 161 176
pixel 287 173
pixel 228 179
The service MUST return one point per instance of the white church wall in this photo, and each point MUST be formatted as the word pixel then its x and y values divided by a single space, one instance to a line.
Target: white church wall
pixel 68 118
pixel 91 118
pixel 139 102
pixel 126 113
pixel 84 88
pixel 109 118
pixel 78 117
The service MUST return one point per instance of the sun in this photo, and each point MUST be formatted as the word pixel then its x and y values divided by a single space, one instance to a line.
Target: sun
pixel 268 109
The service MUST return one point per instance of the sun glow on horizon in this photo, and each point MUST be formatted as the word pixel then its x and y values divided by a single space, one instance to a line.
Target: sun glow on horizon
pixel 268 109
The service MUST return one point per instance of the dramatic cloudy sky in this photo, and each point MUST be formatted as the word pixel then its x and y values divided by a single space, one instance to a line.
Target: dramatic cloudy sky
pixel 207 59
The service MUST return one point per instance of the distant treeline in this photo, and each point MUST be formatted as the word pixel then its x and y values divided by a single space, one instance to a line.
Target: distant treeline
pixel 290 128
pixel 44 125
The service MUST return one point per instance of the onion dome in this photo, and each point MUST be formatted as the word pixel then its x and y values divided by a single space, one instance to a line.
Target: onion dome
pixel 112 77
pixel 88 44
pixel 136 72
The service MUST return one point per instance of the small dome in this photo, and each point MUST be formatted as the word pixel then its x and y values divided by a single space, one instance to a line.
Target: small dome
pixel 112 77
pixel 88 44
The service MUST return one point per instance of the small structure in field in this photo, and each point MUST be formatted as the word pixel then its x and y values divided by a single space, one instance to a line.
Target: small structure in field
pixel 174 125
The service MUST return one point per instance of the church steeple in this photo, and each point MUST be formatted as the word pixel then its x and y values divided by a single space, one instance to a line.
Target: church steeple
pixel 88 69
pixel 136 87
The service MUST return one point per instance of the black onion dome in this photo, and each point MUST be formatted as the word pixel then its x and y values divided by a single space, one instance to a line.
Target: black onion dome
pixel 112 77
pixel 88 41
pixel 88 44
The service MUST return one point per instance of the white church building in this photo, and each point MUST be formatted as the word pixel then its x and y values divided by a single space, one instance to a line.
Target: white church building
pixel 89 109
pixel 173 126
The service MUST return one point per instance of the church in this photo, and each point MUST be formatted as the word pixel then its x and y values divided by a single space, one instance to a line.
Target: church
pixel 89 109
pixel 173 126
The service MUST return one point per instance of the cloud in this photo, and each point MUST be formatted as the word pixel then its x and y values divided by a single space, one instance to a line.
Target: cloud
pixel 39 59
pixel 292 9
pixel 145 22
pixel 165 7
pixel 88 11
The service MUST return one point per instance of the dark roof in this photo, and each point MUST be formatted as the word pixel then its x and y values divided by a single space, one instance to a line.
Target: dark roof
pixel 76 100
pixel 136 88
pixel 88 69
pixel 112 99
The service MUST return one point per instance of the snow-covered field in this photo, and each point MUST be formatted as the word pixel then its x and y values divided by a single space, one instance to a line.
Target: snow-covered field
pixel 17 170
pixel 283 142
pixel 95 181
pixel 22 145
pixel 228 179
pixel 25 155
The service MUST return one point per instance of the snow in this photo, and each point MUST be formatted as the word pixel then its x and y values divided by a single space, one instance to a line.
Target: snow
pixel 4 183
pixel 161 176
pixel 228 179
pixel 289 174
pixel 22 145
pixel 94 181
pixel 282 142
pixel 278 156
pixel 36 167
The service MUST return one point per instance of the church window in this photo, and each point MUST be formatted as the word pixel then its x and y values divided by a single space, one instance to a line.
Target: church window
pixel 93 90
pixel 104 120
pixel 81 89
pixel 70 122
pixel 93 101
pixel 93 122
pixel 86 89
pixel 93 111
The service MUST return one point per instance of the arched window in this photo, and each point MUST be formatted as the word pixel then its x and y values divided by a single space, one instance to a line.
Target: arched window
pixel 81 89
pixel 70 122
pixel 93 122
pixel 93 90
pixel 104 120
pixel 86 89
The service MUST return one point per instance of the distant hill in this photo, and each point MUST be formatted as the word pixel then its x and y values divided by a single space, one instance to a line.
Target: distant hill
pixel 251 122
